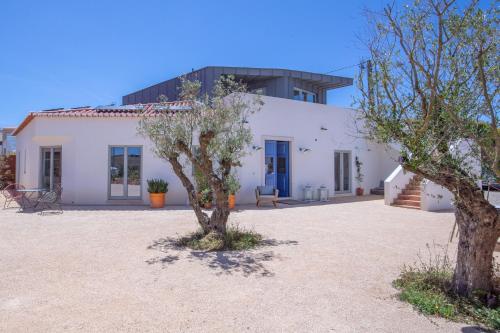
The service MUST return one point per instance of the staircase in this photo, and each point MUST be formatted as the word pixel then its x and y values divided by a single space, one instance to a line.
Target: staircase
pixel 410 196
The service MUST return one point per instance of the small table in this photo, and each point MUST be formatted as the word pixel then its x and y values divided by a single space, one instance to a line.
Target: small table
pixel 27 195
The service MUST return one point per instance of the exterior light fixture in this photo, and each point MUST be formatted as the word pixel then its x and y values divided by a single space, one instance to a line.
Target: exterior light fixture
pixel 256 147
pixel 304 150
pixel 323 128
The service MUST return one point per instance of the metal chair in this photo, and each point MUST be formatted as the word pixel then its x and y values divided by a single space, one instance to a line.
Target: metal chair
pixel 50 200
pixel 11 194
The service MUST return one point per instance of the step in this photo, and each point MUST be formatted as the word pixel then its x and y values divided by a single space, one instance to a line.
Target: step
pixel 411 192
pixel 407 202
pixel 413 197
pixel 404 206
pixel 414 188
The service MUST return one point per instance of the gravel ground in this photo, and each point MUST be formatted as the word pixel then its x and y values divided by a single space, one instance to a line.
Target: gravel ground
pixel 325 268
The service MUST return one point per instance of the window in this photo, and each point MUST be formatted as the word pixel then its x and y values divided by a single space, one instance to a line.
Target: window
pixel 51 167
pixel 342 171
pixel 304 95
pixel 125 172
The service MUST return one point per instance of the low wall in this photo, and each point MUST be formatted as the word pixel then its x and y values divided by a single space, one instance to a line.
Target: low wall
pixel 395 183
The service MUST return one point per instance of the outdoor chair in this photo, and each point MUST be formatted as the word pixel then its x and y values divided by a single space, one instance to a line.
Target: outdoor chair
pixel 266 194
pixel 11 194
pixel 50 200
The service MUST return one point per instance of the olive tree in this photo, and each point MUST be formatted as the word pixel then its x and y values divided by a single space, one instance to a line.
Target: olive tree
pixel 432 88
pixel 217 125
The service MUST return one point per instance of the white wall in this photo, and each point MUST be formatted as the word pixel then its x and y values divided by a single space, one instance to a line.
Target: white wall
pixel 300 123
pixel 395 183
pixel 85 144
pixel 435 197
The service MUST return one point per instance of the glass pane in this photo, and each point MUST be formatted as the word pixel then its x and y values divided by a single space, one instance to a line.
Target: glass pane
pixel 57 167
pixel 116 171
pixel 281 165
pixel 347 172
pixel 134 171
pixel 310 97
pixel 297 95
pixel 269 165
pixel 46 168
pixel 337 171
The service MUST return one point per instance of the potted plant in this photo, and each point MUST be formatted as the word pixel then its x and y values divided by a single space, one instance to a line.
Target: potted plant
pixel 233 186
pixel 359 176
pixel 206 198
pixel 157 189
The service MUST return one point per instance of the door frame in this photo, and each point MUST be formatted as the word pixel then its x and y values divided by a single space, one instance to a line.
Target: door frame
pixel 291 173
pixel 51 167
pixel 342 151
pixel 125 172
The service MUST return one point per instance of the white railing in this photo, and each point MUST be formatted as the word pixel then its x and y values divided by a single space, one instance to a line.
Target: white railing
pixel 395 183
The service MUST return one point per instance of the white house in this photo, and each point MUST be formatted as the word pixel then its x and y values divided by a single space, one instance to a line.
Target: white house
pixel 298 140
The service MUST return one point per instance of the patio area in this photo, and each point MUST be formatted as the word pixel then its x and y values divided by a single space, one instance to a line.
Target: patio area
pixel 324 268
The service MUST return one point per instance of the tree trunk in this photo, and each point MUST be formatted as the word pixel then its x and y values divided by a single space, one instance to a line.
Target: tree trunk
pixel 203 218
pixel 477 223
pixel 479 229
pixel 220 215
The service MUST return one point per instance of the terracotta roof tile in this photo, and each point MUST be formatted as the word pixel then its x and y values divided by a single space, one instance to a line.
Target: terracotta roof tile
pixel 132 110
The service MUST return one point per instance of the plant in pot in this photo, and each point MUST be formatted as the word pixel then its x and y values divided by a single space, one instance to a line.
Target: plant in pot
pixel 157 189
pixel 206 198
pixel 359 176
pixel 233 186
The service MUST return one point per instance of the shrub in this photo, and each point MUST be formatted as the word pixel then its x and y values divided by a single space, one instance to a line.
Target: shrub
pixel 157 186
pixel 7 170
pixel 234 239
pixel 428 287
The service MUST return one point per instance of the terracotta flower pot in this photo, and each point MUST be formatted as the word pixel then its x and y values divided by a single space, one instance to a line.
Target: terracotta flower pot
pixel 360 191
pixel 157 200
pixel 232 201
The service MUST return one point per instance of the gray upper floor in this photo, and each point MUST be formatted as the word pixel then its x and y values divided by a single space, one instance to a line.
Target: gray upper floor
pixel 284 83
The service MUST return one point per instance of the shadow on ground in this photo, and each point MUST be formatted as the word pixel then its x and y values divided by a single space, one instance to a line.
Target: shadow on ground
pixel 250 262
pixel 243 207
pixel 476 329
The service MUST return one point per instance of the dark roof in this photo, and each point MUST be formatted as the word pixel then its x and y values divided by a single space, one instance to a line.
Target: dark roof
pixel 324 81
pixel 321 80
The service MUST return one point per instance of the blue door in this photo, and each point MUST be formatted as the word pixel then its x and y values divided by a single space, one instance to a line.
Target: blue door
pixel 278 166
pixel 270 163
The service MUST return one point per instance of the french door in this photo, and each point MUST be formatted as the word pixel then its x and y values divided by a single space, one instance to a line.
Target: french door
pixel 51 167
pixel 125 171
pixel 342 171
pixel 277 166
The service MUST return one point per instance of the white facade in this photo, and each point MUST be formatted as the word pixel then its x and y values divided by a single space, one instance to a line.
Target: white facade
pixel 321 129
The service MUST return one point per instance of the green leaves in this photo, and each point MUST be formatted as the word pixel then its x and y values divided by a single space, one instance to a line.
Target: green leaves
pixel 427 85
pixel 157 186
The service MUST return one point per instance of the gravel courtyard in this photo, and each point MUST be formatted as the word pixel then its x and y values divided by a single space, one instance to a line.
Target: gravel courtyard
pixel 324 268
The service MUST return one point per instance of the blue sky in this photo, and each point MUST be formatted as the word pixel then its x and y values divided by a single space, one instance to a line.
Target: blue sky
pixel 74 53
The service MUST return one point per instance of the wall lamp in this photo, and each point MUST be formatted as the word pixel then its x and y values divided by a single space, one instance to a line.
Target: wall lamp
pixel 324 128
pixel 304 150
pixel 256 147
